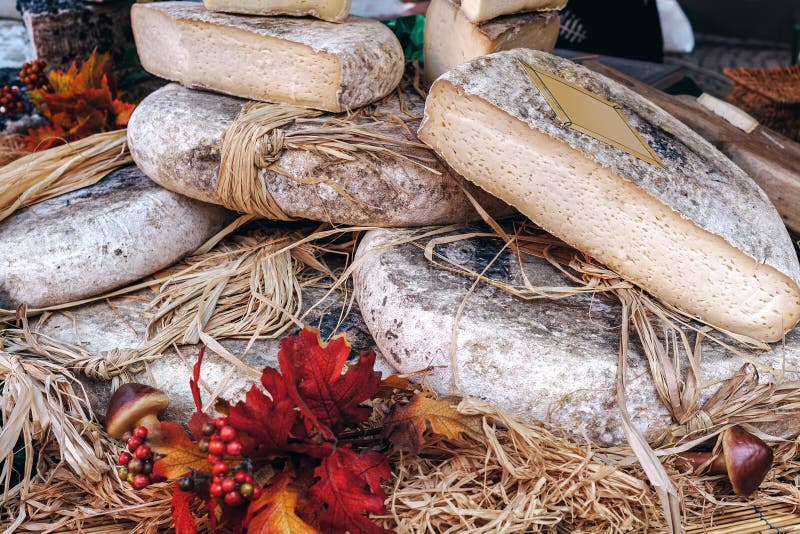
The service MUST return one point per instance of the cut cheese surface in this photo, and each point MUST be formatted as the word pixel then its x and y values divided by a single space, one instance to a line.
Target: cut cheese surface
pixel 451 39
pixel 698 234
pixel 483 10
pixel 331 10
pixel 299 61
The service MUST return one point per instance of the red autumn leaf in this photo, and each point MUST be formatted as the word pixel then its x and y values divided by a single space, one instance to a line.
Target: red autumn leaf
pixel 182 511
pixel 271 425
pixel 276 511
pixel 329 400
pixel 349 487
pixel 180 453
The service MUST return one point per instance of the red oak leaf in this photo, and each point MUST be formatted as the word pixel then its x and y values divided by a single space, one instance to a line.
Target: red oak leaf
pixel 271 425
pixel 328 399
pixel 180 453
pixel 182 511
pixel 348 487
pixel 276 511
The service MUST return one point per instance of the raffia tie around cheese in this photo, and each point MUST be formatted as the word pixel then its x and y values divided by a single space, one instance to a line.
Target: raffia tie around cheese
pixel 697 233
pixel 298 61
pixel 452 39
pixel 483 10
pixel 330 10
pixel 285 162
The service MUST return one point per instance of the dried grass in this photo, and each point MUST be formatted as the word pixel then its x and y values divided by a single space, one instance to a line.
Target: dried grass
pixel 50 173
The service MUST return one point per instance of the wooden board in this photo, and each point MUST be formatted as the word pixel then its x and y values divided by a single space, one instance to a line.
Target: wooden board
pixel 771 159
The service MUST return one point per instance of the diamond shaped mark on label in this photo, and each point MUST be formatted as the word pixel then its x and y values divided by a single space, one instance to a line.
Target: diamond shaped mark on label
pixel 586 112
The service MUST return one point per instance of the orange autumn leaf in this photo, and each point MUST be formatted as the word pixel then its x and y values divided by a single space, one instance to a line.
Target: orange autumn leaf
pixel 407 424
pixel 275 511
pixel 77 103
pixel 180 453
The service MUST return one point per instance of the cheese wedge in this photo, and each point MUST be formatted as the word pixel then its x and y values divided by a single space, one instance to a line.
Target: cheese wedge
pixel 331 10
pixel 300 61
pixel 451 39
pixel 483 10
pixel 697 233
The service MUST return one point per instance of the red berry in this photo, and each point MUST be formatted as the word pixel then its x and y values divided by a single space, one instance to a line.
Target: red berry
pixel 217 447
pixel 227 433
pixel 256 492
pixel 143 452
pixel 240 476
pixel 219 422
pixel 208 429
pixel 124 458
pixel 228 485
pixel 220 468
pixel 216 490
pixel 233 498
pixel 214 458
pixel 234 448
pixel 141 481
pixel 133 443
pixel 140 432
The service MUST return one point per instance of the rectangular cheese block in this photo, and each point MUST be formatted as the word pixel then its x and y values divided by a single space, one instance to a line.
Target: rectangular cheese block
pixel 693 230
pixel 451 39
pixel 298 61
pixel 483 10
pixel 330 10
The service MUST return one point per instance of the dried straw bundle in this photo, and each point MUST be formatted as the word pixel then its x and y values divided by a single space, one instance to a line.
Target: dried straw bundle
pixel 50 173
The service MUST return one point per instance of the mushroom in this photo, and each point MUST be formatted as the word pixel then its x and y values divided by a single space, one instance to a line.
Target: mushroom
pixel 135 405
pixel 745 459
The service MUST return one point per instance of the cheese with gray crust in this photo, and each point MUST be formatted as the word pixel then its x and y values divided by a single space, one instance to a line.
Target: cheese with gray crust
pixel 299 61
pixel 330 10
pixel 452 39
pixel 699 233
pixel 175 136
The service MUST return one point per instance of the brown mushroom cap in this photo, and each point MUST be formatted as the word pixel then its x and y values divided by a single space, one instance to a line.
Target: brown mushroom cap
pixel 748 460
pixel 131 403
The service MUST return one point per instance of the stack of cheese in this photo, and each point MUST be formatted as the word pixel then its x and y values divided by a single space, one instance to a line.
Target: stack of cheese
pixel 459 30
pixel 180 137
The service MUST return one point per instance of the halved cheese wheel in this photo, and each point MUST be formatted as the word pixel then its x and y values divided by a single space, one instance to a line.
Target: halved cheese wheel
pixel 331 10
pixel 483 10
pixel 299 61
pixel 451 39
pixel 697 233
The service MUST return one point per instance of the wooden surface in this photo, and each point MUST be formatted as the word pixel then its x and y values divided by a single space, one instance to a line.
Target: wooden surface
pixel 771 159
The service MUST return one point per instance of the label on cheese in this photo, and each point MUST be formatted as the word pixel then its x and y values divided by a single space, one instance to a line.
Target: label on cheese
pixel 582 110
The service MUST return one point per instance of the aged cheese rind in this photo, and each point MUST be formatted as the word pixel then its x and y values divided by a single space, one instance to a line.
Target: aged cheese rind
pixel 483 10
pixel 452 39
pixel 175 138
pixel 120 324
pixel 330 10
pixel 300 61
pixel 551 360
pixel 699 234
pixel 96 239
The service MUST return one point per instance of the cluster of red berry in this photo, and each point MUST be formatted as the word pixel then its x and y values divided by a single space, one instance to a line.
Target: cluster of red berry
pixel 33 76
pixel 11 100
pixel 136 466
pixel 234 485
